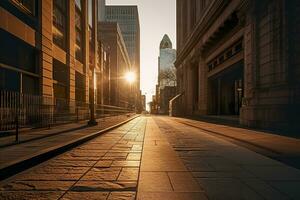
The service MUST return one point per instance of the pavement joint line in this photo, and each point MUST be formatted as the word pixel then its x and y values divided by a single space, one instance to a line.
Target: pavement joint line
pixel 141 158
pixel 22 164
pixel 72 186
pixel 233 138
pixel 170 181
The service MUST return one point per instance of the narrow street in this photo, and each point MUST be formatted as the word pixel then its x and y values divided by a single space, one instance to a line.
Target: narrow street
pixel 156 158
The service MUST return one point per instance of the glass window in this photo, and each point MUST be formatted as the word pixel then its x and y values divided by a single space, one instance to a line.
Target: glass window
pixel 29 84
pixel 9 80
pixel 61 77
pixel 79 87
pixel 59 23
pixel 79 33
pixel 26 5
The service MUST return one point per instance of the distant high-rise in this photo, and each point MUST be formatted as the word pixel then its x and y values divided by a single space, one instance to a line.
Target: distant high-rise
pixel 128 19
pixel 166 74
pixel 166 69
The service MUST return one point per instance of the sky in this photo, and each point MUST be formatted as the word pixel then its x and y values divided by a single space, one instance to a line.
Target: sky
pixel 157 17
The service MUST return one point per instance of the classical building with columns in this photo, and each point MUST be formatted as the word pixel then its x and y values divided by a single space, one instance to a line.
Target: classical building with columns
pixel 49 48
pixel 240 58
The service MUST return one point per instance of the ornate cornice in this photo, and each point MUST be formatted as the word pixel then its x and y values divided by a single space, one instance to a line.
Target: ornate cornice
pixel 214 11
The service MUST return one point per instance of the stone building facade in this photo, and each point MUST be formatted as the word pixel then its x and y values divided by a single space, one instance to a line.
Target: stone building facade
pixel 240 58
pixel 48 47
pixel 110 35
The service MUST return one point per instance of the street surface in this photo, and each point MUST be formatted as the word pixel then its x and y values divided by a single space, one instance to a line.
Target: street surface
pixel 156 158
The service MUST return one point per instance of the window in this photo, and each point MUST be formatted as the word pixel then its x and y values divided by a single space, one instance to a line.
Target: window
pixel 78 30
pixel 79 87
pixel 61 80
pixel 9 80
pixel 22 55
pixel 59 23
pixel 26 5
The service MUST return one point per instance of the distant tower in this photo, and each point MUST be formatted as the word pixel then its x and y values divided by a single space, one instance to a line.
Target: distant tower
pixel 166 88
pixel 165 43
pixel 166 69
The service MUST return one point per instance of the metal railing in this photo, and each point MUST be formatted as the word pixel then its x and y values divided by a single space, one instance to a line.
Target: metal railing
pixel 173 105
pixel 22 110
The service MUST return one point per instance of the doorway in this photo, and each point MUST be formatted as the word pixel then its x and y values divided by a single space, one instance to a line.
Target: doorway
pixel 226 91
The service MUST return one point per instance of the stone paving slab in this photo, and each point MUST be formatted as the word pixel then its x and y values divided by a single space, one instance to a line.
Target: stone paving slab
pixel 34 134
pixel 225 170
pixel 156 158
pixel 19 154
pixel 276 143
pixel 163 174
pixel 99 172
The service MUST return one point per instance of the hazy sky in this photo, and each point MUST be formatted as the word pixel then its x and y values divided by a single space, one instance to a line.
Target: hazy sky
pixel 157 17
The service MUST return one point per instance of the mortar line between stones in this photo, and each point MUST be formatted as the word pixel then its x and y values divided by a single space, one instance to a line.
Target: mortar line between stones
pixel 138 179
pixel 92 166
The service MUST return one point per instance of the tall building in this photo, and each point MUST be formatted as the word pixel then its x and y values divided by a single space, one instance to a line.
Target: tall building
pixel 240 58
pixel 166 74
pixel 109 34
pixel 128 19
pixel 144 102
pixel 48 48
pixel 166 60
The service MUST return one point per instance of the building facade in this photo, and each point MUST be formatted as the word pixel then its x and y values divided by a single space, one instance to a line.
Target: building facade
pixel 110 35
pixel 128 19
pixel 239 58
pixel 144 102
pixel 54 48
pixel 166 74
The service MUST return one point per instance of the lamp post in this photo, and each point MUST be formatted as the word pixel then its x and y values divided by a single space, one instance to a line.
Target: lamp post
pixel 92 121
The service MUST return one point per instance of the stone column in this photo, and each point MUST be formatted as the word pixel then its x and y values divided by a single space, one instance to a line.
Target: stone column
pixel 250 65
pixel 46 49
pixel 203 84
pixel 71 39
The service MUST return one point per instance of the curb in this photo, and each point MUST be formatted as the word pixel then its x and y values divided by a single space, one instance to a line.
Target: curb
pixel 35 159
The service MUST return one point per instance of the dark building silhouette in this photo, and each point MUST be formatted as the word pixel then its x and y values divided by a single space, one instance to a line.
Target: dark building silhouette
pixel 110 35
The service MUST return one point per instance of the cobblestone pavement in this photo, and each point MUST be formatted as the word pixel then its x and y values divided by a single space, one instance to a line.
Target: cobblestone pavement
pixel 104 168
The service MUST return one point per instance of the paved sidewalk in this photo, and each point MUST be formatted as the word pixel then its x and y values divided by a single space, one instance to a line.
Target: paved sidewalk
pixel 12 155
pixel 105 168
pixel 33 134
pixel 163 174
pixel 156 158
pixel 228 171
pixel 279 147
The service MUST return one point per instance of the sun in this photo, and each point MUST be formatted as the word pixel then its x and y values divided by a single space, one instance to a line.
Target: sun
pixel 130 77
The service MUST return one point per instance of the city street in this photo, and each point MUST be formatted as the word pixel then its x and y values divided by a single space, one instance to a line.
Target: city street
pixel 155 157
